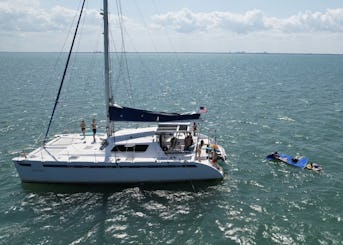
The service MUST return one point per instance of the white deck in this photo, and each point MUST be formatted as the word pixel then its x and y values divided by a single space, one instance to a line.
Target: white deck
pixel 66 148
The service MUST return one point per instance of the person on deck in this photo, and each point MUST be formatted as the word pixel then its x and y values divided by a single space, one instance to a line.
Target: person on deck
pixel 83 128
pixel 195 128
pixel 94 129
pixel 188 142
pixel 173 143
pixel 199 149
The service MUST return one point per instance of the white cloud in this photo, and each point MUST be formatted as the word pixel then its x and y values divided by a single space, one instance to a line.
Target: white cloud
pixel 25 25
pixel 186 21
pixel 28 16
pixel 253 20
pixel 329 21
pixel 23 16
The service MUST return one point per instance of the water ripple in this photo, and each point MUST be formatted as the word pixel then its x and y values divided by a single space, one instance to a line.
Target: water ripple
pixel 257 105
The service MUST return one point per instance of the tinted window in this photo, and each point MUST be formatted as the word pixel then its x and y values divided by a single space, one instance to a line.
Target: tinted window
pixel 183 127
pixel 136 148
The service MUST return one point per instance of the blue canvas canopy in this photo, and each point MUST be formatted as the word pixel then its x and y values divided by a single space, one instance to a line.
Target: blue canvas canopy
pixel 118 113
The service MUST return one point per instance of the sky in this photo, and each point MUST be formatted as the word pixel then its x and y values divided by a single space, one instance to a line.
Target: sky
pixel 279 26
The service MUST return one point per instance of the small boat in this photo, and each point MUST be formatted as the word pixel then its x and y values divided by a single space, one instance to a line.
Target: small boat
pixel 299 162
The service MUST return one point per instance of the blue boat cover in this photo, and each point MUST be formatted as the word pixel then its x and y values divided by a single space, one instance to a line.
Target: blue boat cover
pixel 118 113
pixel 300 163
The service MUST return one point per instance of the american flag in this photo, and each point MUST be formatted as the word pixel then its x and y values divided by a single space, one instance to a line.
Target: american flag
pixel 203 109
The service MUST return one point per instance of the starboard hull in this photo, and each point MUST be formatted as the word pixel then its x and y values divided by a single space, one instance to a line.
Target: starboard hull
pixel 107 174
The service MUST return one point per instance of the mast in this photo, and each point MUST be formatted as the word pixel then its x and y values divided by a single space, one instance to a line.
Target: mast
pixel 108 94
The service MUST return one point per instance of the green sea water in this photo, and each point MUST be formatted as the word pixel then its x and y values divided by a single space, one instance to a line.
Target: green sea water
pixel 257 103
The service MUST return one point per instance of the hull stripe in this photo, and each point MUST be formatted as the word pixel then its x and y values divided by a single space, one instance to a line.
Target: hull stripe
pixel 110 166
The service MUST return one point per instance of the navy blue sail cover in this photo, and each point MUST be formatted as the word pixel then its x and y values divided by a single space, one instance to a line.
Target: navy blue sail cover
pixel 118 113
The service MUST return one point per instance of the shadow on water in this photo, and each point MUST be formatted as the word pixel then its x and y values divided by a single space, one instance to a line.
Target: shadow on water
pixel 189 186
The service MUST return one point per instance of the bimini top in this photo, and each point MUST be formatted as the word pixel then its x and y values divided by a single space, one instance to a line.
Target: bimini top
pixel 119 113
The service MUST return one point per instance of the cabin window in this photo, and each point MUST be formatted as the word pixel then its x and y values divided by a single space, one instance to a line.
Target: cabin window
pixel 183 127
pixel 135 148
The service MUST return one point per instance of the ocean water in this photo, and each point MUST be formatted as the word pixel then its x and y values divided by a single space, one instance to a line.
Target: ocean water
pixel 257 103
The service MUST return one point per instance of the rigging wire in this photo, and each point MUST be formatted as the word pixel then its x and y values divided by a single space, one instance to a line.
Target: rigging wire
pixel 123 51
pixel 174 50
pixel 146 26
pixel 64 73
pixel 166 30
pixel 75 58
pixel 143 64
pixel 53 74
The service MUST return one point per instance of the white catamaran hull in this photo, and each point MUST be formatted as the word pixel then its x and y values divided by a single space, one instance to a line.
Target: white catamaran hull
pixel 96 173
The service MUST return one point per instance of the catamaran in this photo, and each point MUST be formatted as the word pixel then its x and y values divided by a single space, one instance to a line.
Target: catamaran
pixel 171 150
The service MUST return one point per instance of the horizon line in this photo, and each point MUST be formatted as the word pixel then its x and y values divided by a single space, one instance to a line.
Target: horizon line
pixel 183 52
